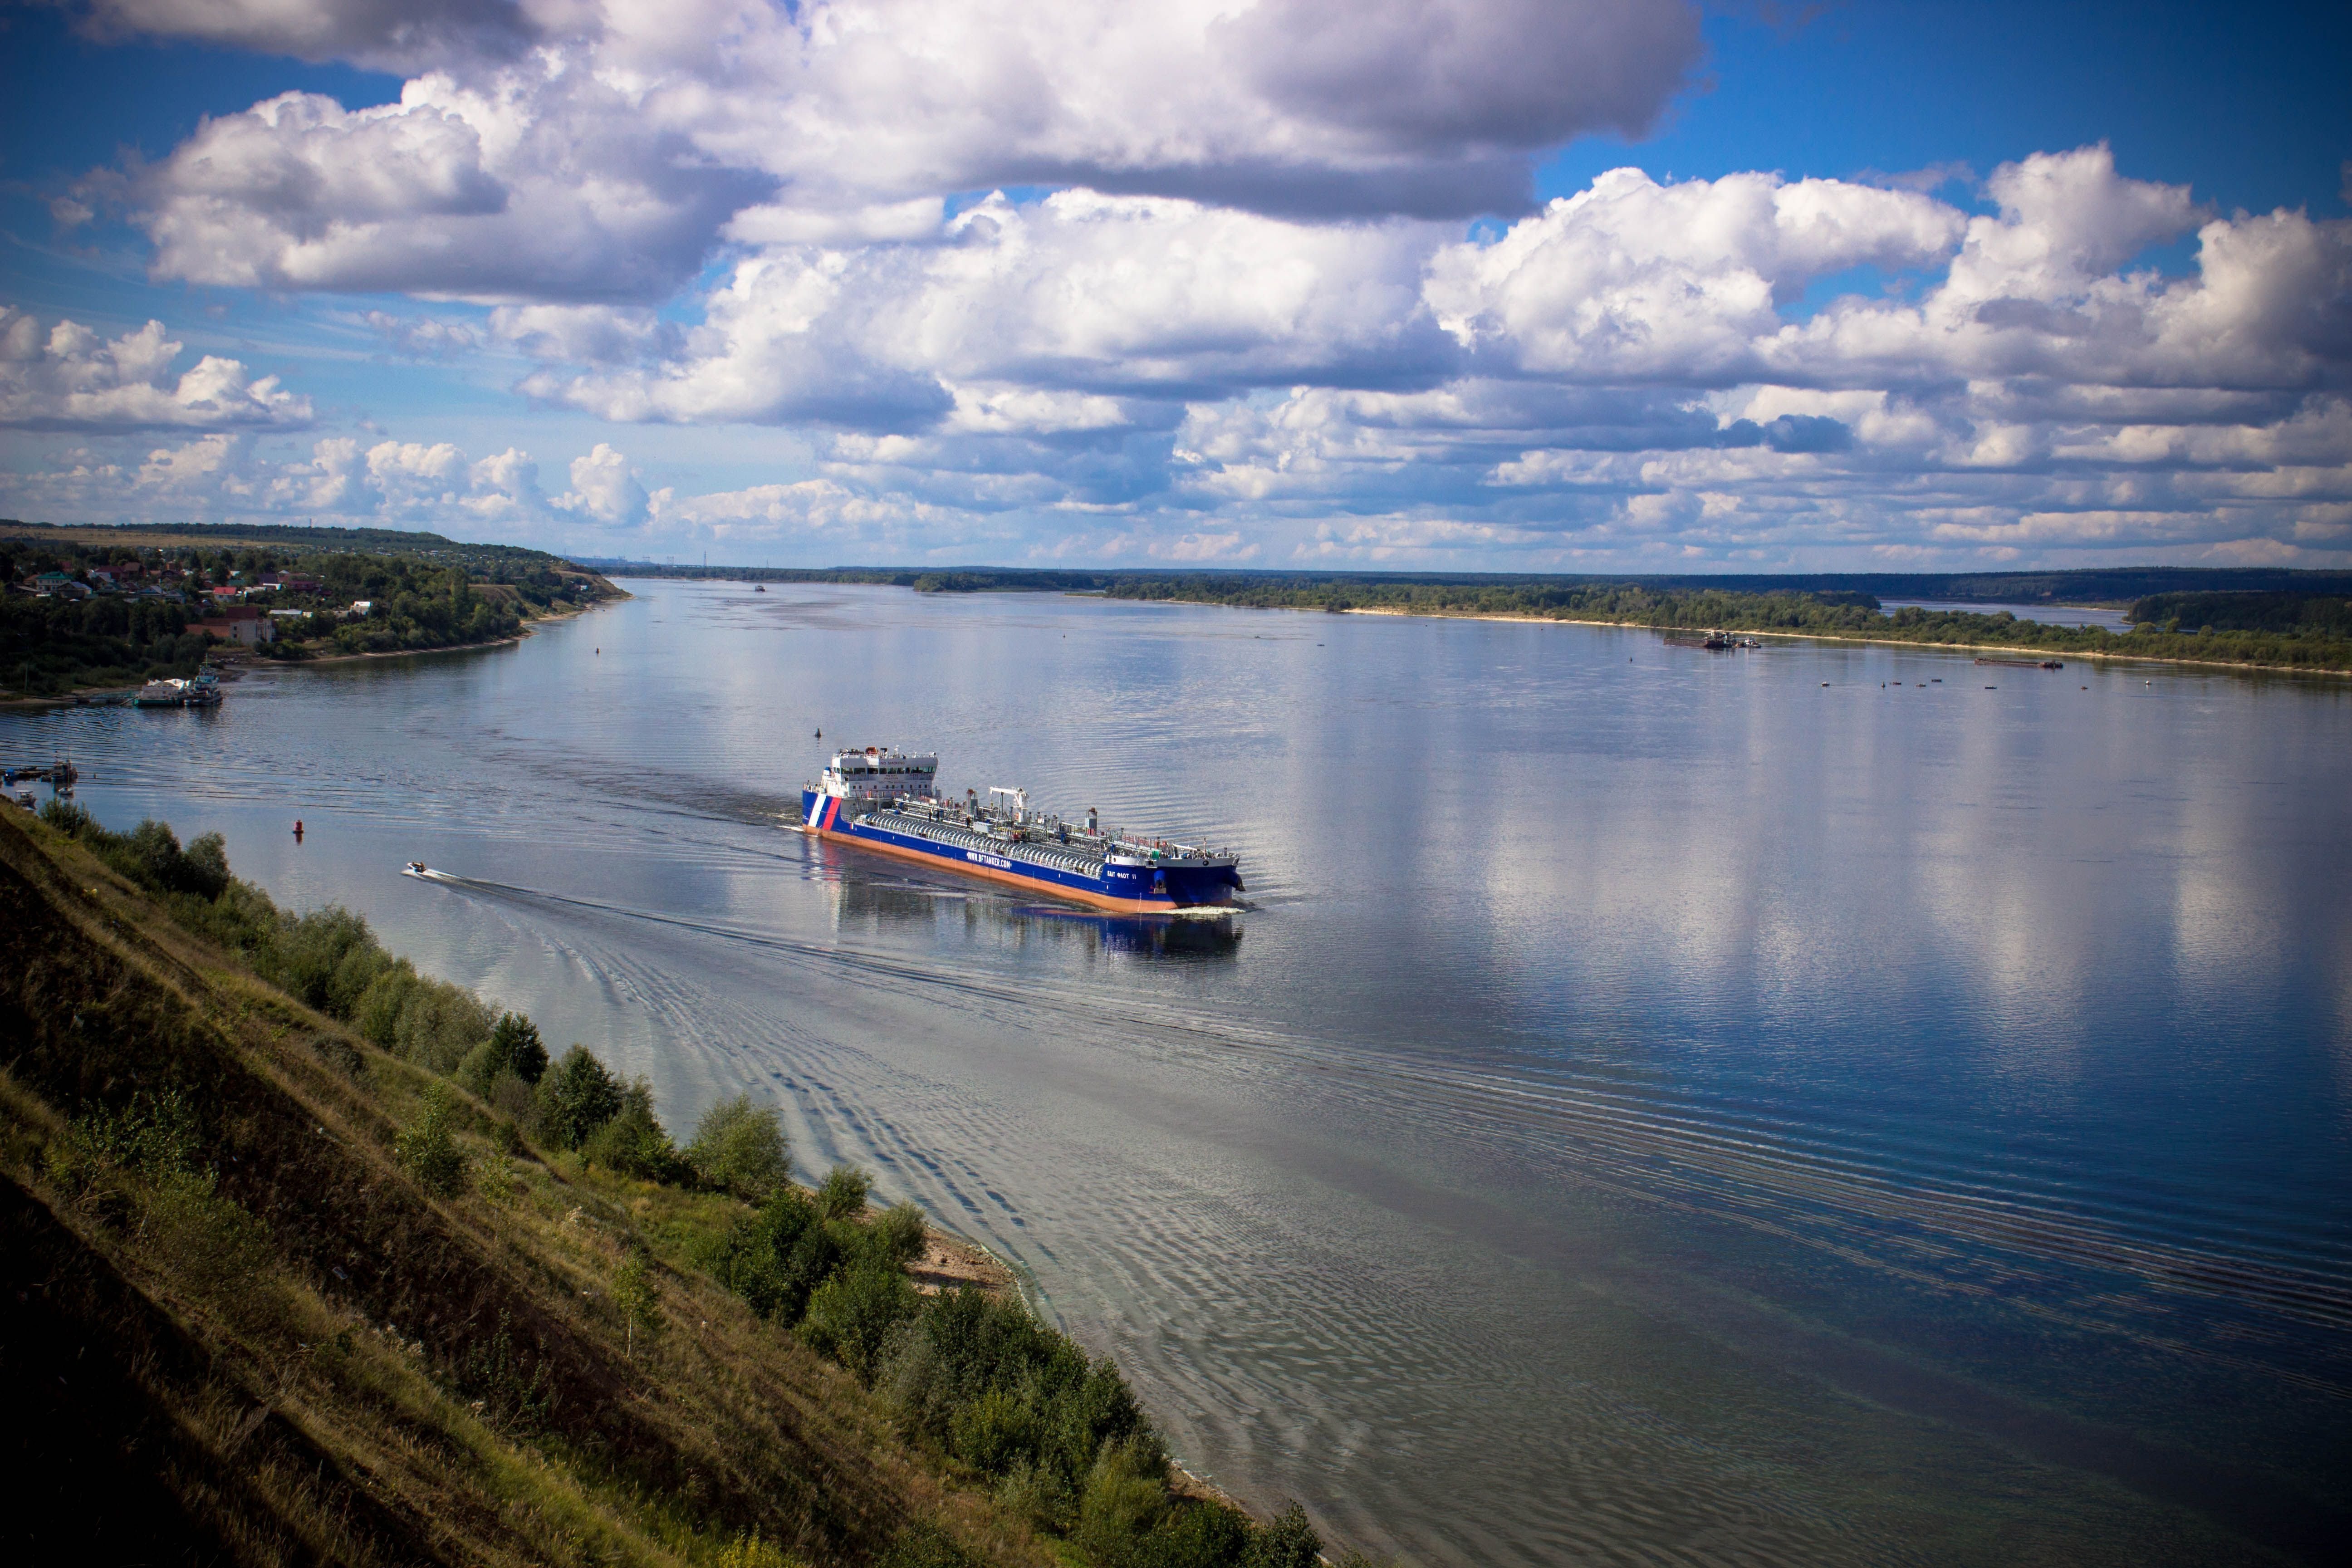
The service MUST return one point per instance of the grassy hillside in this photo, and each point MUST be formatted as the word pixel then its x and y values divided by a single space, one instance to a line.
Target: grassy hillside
pixel 304 1256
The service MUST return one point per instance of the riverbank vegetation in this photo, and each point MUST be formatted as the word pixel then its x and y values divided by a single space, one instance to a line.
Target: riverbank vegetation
pixel 2312 637
pixel 58 644
pixel 80 610
pixel 311 1255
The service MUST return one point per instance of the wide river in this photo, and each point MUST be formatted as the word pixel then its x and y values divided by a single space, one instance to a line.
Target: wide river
pixel 1822 1105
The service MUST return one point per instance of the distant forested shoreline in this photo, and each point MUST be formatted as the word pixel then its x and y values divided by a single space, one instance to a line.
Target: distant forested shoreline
pixel 2254 618
pixel 426 591
pixel 2275 630
pixel 2110 586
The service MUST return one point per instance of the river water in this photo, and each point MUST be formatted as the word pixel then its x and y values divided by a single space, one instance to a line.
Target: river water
pixel 1824 1105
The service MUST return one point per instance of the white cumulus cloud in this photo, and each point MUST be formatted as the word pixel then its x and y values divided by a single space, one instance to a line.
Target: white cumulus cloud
pixel 1079 291
pixel 71 378
pixel 555 151
pixel 489 192
pixel 1631 280
pixel 1232 304
pixel 604 489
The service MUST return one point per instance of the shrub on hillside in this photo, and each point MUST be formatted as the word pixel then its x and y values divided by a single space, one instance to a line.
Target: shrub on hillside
pixel 1126 1496
pixel 153 1133
pixel 429 1150
pixel 751 1550
pixel 1038 1494
pixel 213 1243
pixel 1199 1533
pixel 156 1141
pixel 925 1545
pixel 1047 1406
pixel 739 1148
pixel 437 1023
pixel 202 868
pixel 575 1097
pixel 512 1385
pixel 242 919
pixel 332 960
pixel 638 1303
pixel 1126 1519
pixel 150 854
pixel 328 959
pixel 66 816
pixel 503 1069
pixel 512 1100
pixel 632 1142
pixel 309 957
pixel 1288 1543
pixel 518 1038
pixel 853 1315
pixel 843 1193
pixel 776 1258
pixel 898 1236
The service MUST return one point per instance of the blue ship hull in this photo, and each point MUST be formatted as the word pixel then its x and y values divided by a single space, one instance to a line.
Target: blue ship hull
pixel 1144 889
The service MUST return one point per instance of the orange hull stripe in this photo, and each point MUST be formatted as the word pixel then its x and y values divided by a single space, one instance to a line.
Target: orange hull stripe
pixel 1010 879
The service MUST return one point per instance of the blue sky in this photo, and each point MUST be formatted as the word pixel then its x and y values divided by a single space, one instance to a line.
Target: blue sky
pixel 2244 104
pixel 1926 284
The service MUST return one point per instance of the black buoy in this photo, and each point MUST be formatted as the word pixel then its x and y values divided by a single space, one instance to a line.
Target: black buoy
pixel 820 734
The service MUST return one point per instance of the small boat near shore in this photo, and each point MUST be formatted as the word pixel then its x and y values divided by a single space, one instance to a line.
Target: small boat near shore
pixel 203 690
pixel 2027 663
pixel 60 773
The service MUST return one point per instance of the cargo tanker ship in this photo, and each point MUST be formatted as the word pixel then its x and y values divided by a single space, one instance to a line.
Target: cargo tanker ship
pixel 886 800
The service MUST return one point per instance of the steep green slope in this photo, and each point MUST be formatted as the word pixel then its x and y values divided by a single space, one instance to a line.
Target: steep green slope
pixel 249 1313
pixel 311 1357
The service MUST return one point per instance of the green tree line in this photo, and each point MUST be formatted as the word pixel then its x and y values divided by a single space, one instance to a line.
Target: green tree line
pixel 55 645
pixel 419 601
pixel 2317 643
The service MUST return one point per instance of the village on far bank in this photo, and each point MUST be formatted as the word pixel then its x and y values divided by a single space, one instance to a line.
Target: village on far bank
pixel 98 614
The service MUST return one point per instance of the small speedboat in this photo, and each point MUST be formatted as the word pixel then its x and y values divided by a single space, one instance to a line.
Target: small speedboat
pixel 414 868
